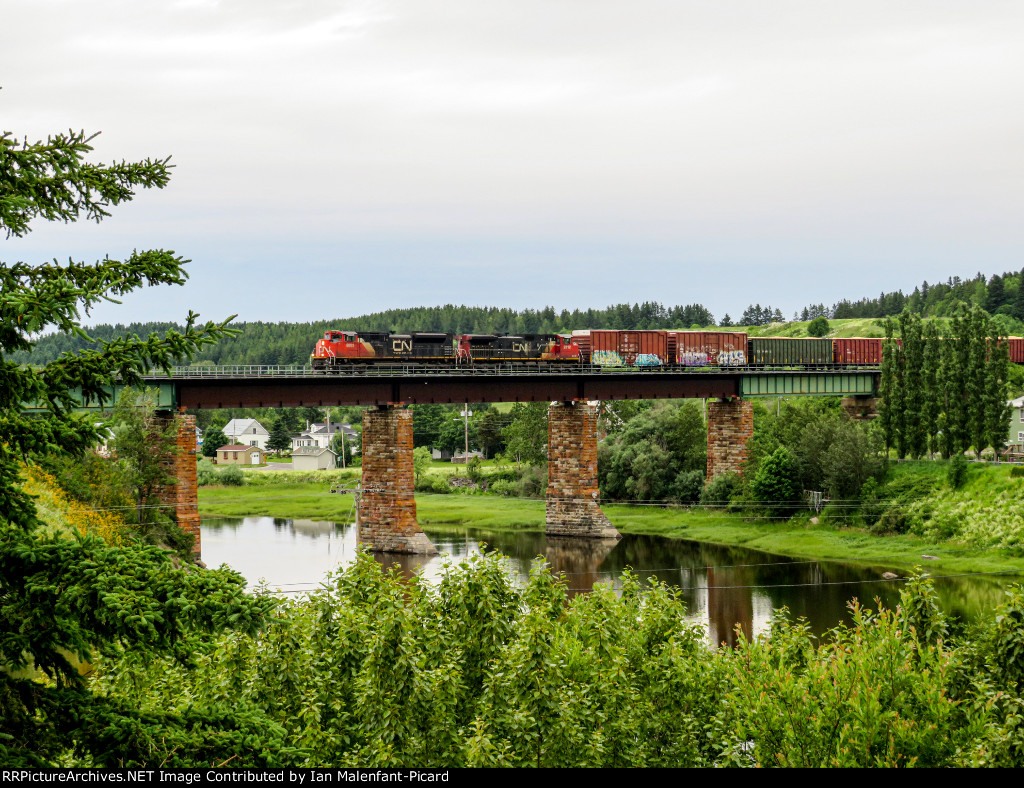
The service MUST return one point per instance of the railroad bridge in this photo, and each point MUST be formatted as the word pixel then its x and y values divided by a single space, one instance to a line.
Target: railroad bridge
pixel 387 509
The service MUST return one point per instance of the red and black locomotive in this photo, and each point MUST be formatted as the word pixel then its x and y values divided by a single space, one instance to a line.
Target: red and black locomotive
pixel 341 349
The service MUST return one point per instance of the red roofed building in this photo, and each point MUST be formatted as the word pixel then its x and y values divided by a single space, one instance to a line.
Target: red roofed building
pixel 238 454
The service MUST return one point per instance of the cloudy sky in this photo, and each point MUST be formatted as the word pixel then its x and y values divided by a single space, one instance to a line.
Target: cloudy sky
pixel 336 157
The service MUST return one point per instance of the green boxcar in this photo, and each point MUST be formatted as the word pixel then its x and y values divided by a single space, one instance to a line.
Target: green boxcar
pixel 790 352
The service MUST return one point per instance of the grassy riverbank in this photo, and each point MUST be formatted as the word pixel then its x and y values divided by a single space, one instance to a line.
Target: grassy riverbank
pixel 791 538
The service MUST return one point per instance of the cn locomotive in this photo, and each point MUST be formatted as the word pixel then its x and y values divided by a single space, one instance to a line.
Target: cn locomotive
pixel 338 350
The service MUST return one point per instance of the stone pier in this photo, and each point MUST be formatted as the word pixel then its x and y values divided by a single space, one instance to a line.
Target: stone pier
pixel 387 509
pixel 181 496
pixel 860 408
pixel 572 496
pixel 730 426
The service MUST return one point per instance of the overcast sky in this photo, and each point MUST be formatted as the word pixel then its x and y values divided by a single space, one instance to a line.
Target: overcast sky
pixel 335 158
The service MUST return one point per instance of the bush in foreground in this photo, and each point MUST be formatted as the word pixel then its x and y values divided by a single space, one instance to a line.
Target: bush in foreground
pixel 376 670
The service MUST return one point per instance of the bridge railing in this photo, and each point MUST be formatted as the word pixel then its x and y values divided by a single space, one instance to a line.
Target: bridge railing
pixel 239 370
pixel 512 369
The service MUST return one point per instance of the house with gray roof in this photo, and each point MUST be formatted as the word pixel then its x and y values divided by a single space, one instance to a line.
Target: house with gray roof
pixel 247 432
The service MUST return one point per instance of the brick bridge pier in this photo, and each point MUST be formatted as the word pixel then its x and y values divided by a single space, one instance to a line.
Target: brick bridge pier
pixel 572 495
pixel 730 426
pixel 181 496
pixel 387 509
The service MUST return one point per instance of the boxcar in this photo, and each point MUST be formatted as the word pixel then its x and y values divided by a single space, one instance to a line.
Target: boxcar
pixel 1016 345
pixel 857 351
pixel 629 348
pixel 789 352
pixel 708 348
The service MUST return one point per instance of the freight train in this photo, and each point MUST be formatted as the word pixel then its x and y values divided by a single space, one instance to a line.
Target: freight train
pixel 339 350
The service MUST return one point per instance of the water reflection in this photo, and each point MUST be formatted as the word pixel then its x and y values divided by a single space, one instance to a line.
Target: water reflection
pixel 725 588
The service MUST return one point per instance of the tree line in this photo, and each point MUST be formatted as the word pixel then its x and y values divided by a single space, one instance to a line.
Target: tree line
pixel 259 343
pixel 1000 294
pixel 267 343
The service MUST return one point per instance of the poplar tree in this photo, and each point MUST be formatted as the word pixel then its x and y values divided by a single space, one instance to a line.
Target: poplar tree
pixel 914 436
pixel 997 408
pixel 977 379
pixel 956 360
pixel 930 383
pixel 890 414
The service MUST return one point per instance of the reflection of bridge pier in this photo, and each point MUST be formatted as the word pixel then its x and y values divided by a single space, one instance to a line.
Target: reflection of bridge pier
pixel 387 508
pixel 729 605
pixel 572 508
pixel 579 560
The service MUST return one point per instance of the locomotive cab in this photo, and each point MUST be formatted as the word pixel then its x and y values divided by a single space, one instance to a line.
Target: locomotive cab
pixel 338 348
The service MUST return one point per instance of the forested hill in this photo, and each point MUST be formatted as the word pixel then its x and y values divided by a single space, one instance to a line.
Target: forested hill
pixel 291 343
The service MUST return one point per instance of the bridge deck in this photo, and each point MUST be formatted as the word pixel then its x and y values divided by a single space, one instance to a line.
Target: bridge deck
pixel 292 386
pixel 298 386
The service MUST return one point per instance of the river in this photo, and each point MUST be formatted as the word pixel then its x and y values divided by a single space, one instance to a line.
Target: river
pixel 723 587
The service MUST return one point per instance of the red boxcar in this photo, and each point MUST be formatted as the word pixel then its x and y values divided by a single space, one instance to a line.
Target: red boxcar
pixel 857 351
pixel 1016 349
pixel 628 348
pixel 704 348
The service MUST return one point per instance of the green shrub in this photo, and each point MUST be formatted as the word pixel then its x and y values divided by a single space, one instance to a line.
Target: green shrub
pixel 206 473
pixel 473 469
pixel 956 472
pixel 818 327
pixel 326 477
pixel 687 486
pixel 534 482
pixel 438 483
pixel 720 490
pixel 1016 471
pixel 503 475
pixel 775 483
pixel 871 507
pixel 231 476
pixel 896 519
pixel 502 487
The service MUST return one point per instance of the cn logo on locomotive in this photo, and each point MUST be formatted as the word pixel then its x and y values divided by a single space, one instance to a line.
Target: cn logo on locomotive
pixel 401 345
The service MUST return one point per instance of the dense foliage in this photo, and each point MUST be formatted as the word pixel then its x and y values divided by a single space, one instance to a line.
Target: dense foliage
pixel 658 453
pixel 824 451
pixel 64 601
pixel 377 670
pixel 1002 296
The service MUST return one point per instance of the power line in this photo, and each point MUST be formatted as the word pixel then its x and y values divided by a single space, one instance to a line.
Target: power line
pixel 1007 572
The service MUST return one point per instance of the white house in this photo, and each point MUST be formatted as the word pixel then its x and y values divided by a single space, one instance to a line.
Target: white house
pixel 247 432
pixel 320 435
pixel 1016 436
